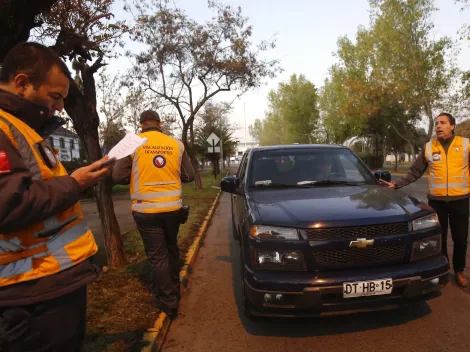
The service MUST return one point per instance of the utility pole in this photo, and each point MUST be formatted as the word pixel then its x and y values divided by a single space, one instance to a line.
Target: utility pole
pixel 221 145
pixel 244 114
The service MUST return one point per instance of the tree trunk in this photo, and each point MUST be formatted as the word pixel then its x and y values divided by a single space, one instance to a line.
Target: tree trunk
pixel 17 18
pixel 396 161
pixel 190 151
pixel 82 109
pixel 413 152
pixel 428 111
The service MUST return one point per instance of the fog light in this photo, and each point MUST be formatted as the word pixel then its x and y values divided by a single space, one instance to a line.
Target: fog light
pixel 426 247
pixel 435 282
pixel 268 297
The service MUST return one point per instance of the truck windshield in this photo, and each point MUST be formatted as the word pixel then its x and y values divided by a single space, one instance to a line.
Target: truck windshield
pixel 307 167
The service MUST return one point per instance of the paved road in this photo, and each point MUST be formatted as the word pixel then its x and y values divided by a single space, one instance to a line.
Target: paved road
pixel 418 189
pixel 212 319
pixel 122 208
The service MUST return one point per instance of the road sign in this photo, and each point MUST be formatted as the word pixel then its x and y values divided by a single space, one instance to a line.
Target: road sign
pixel 213 150
pixel 213 139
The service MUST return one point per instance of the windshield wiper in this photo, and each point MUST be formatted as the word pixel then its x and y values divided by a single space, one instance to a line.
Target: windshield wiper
pixel 329 182
pixel 277 185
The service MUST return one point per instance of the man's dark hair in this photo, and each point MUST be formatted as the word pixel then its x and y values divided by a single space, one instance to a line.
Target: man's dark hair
pixel 32 59
pixel 450 118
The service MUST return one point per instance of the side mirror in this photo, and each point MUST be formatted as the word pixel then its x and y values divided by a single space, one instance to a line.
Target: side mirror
pixel 384 175
pixel 229 184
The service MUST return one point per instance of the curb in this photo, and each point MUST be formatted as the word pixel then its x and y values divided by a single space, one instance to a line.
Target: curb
pixel 154 337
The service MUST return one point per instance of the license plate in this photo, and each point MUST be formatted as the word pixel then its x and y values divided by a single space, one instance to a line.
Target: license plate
pixel 367 288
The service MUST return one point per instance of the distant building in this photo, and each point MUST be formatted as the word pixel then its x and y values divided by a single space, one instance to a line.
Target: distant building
pixel 242 146
pixel 67 143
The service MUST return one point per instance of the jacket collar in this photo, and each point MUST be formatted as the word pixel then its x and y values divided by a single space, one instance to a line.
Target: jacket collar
pixel 148 129
pixel 446 141
pixel 34 115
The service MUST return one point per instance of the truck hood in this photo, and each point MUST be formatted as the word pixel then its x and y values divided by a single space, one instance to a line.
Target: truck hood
pixel 334 206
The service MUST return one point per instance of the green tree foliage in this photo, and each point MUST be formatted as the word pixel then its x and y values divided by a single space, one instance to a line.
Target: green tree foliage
pixel 293 115
pixel 388 78
pixel 214 119
pixel 185 63
pixel 463 129
pixel 422 67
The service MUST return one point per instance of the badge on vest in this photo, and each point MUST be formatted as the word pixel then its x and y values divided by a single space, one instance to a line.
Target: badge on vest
pixel 457 149
pixel 436 156
pixel 159 161
pixel 47 154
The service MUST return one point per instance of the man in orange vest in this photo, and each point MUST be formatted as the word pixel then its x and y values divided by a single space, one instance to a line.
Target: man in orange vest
pixel 447 158
pixel 45 245
pixel 155 172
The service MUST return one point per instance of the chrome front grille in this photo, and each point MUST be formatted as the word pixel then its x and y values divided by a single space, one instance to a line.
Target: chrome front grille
pixel 354 232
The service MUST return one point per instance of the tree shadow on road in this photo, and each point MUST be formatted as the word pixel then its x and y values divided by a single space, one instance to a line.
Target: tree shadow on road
pixel 318 326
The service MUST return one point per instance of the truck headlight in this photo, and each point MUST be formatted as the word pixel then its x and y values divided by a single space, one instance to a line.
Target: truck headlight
pixel 270 232
pixel 278 260
pixel 426 247
pixel 425 222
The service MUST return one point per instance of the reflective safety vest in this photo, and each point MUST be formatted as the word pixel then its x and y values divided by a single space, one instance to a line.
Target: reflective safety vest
pixel 155 183
pixel 448 174
pixel 48 246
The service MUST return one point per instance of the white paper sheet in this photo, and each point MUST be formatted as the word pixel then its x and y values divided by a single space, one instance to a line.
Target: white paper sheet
pixel 126 146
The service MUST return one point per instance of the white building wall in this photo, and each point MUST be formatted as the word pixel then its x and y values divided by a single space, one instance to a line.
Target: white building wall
pixel 68 147
pixel 243 146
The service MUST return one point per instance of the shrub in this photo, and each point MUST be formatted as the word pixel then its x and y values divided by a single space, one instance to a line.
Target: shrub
pixel 372 161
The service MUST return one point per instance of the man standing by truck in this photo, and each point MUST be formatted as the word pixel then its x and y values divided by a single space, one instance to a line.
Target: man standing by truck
pixel 447 158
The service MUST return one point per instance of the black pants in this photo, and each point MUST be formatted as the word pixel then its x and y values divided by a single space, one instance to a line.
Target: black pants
pixel 57 325
pixel 159 234
pixel 456 214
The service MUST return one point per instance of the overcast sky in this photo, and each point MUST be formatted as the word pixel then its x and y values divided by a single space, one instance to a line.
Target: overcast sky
pixel 307 32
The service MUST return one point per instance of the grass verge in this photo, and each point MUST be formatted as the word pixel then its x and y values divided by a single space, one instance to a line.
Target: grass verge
pixel 120 306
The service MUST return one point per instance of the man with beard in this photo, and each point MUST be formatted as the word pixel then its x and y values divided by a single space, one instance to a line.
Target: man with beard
pixel 447 158
pixel 46 248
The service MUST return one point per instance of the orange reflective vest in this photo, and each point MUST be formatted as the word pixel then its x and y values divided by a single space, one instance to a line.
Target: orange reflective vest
pixel 448 174
pixel 49 246
pixel 155 183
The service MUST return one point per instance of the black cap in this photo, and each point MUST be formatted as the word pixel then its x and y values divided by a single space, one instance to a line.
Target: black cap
pixel 149 115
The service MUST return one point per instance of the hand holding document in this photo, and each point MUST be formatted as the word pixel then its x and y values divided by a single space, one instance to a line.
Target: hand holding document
pixel 126 146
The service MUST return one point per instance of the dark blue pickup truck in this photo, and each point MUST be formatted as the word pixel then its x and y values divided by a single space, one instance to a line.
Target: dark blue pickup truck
pixel 320 235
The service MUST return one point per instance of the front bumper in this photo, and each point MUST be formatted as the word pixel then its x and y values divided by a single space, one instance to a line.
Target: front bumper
pixel 313 294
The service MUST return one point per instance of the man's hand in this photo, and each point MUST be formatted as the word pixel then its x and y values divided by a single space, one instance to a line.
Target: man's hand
pixel 90 175
pixel 388 184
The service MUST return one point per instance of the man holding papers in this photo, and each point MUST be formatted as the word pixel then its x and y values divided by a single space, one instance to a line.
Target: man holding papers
pixel 155 172
pixel 46 248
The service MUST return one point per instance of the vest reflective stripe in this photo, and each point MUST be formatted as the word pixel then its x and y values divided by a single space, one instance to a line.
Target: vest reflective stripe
pixel 50 225
pixel 156 174
pixel 160 183
pixel 147 206
pixel 157 195
pixel 53 244
pixel 465 154
pixel 48 246
pixel 54 247
pixel 448 173
pixel 25 150
pixel 10 245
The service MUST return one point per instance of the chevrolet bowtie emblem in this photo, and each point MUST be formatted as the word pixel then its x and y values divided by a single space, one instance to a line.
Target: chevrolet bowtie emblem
pixel 361 243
